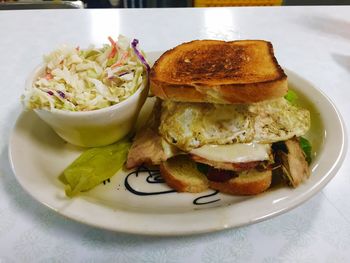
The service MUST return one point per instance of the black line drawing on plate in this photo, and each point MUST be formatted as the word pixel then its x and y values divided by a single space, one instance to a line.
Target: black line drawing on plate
pixel 154 177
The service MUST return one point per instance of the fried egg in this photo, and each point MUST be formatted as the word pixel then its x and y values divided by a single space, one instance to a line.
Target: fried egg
pixel 192 125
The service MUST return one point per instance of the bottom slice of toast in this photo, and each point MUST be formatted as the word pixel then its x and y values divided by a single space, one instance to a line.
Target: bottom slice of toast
pixel 181 174
pixel 249 182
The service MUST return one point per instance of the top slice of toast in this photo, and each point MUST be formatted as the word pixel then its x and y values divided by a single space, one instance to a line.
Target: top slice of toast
pixel 242 71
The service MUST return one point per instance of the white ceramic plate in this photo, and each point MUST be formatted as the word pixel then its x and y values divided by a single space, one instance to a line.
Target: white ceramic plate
pixel 139 203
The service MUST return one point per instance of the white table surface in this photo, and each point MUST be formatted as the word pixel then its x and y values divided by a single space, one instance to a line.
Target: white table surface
pixel 313 41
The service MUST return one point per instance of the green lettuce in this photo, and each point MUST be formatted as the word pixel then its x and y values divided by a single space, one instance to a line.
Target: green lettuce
pixel 291 96
pixel 203 168
pixel 307 148
pixel 94 166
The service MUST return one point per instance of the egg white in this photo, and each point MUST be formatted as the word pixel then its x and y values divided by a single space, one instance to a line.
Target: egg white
pixel 192 125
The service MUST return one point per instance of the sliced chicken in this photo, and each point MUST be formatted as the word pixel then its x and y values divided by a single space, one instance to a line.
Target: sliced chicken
pixel 148 147
pixel 294 165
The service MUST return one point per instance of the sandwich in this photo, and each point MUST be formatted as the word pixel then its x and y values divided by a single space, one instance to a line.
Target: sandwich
pixel 221 119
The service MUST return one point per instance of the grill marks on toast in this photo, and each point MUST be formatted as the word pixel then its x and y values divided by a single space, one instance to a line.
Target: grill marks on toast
pixel 214 71
pixel 205 61
pixel 221 61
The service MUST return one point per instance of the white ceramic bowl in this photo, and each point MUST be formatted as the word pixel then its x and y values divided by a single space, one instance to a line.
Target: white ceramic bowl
pixel 97 127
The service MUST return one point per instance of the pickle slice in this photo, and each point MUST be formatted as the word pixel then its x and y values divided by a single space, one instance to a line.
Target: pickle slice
pixel 94 166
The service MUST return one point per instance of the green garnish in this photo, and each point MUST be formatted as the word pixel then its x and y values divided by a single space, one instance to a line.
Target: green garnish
pixel 203 168
pixel 94 166
pixel 291 96
pixel 306 146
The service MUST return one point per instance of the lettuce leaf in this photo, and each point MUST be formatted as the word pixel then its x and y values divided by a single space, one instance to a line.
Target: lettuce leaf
pixel 94 166
pixel 203 168
pixel 307 148
pixel 291 96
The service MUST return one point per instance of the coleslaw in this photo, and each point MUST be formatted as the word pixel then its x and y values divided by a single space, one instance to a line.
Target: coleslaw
pixel 82 80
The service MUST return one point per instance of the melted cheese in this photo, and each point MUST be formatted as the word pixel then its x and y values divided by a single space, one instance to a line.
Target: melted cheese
pixel 234 153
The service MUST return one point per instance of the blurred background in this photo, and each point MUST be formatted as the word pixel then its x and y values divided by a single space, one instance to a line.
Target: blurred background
pixel 26 4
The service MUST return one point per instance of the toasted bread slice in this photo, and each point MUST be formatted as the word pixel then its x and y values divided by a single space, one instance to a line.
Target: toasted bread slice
pixel 181 174
pixel 250 182
pixel 214 71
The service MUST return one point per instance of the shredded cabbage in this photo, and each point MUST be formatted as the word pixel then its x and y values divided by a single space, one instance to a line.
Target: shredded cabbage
pixel 90 79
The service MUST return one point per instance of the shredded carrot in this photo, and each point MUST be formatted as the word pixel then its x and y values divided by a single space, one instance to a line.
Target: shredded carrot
pixel 113 51
pixel 112 41
pixel 114 47
pixel 48 76
pixel 117 64
pixel 121 61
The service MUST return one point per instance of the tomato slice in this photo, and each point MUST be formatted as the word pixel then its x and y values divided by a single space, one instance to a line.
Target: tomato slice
pixel 218 175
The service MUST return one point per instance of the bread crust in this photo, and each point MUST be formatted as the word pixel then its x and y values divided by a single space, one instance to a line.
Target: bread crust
pixel 244 71
pixel 173 181
pixel 244 186
pixel 177 171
